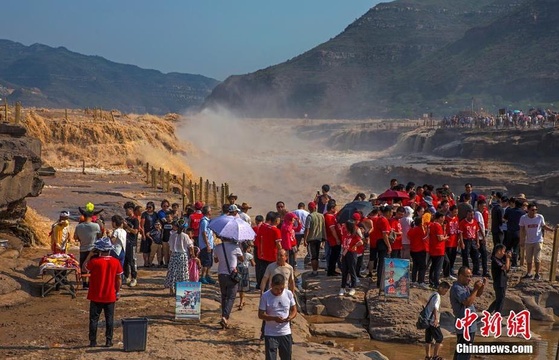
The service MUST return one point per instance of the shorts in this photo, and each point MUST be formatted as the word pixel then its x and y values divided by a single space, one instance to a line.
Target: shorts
pixel 299 238
pixel 206 258
pixel 244 285
pixel 533 251
pixel 433 333
pixel 314 248
pixel 145 246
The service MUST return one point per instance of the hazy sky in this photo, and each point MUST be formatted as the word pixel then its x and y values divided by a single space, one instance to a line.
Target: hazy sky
pixel 215 38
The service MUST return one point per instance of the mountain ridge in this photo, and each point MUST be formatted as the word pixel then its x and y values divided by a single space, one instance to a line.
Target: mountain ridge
pixel 382 65
pixel 41 75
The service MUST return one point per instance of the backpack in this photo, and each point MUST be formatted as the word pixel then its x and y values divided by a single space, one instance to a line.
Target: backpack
pixel 195 220
pixel 423 322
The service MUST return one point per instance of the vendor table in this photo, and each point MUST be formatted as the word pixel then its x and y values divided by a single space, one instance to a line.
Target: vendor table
pixel 58 277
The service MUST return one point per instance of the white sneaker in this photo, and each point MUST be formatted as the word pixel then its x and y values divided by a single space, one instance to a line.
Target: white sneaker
pixel 424 286
pixel 351 292
pixel 128 280
pixel 342 292
pixel 133 283
pixel 452 278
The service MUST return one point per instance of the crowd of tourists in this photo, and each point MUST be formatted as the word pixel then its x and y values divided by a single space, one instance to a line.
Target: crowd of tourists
pixel 429 226
pixel 534 118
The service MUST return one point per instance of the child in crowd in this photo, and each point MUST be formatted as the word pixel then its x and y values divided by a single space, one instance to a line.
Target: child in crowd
pixel 167 225
pixel 118 239
pixel 243 269
pixel 156 237
pixel 433 332
pixel 350 242
pixel 194 264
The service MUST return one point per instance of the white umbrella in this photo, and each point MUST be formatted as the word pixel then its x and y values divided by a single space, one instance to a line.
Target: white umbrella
pixel 217 224
pixel 235 229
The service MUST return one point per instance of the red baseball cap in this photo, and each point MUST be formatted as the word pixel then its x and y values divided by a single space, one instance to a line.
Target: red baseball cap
pixel 198 205
pixel 312 205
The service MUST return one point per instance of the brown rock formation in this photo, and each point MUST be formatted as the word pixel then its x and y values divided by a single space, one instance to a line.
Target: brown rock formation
pixel 19 162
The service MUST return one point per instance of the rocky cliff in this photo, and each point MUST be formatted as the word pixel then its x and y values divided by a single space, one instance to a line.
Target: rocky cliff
pixel 401 58
pixel 19 162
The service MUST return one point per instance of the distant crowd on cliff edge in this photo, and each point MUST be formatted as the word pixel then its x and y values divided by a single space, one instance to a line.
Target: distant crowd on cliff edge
pixel 511 119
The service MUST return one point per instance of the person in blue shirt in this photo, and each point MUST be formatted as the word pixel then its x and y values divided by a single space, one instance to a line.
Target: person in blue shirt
pixel 206 245
pixel 165 209
pixel 462 297
pixel 473 196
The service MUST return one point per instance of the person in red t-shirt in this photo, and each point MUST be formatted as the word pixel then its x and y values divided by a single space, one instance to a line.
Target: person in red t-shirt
pixel 418 251
pixel 268 242
pixel 397 228
pixel 470 233
pixel 451 227
pixel 104 284
pixel 351 240
pixel 437 248
pixel 371 221
pixel 195 219
pixel 333 237
pixel 288 240
pixel 259 220
pixel 384 248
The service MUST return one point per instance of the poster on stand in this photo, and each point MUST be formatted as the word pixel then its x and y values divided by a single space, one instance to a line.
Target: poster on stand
pixel 187 301
pixel 396 278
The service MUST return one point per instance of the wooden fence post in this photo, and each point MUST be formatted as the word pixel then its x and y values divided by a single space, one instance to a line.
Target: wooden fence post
pixel 226 192
pixel 195 193
pixel 222 194
pixel 201 188
pixel 555 250
pixel 18 112
pixel 153 178
pixel 214 194
pixel 83 167
pixel 207 197
pixel 183 192
pixel 147 173
pixel 161 179
pixel 191 192
pixel 168 182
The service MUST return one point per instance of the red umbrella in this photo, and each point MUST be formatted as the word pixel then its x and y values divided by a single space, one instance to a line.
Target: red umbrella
pixel 393 194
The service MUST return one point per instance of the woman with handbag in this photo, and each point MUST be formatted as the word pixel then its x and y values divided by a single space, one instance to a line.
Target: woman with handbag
pixel 226 255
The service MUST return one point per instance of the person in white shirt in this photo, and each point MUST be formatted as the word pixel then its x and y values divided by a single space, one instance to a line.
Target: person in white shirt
pixel 244 213
pixel 118 238
pixel 179 244
pixel 433 332
pixel 406 222
pixel 302 214
pixel 481 204
pixel 531 225
pixel 277 308
pixel 226 266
